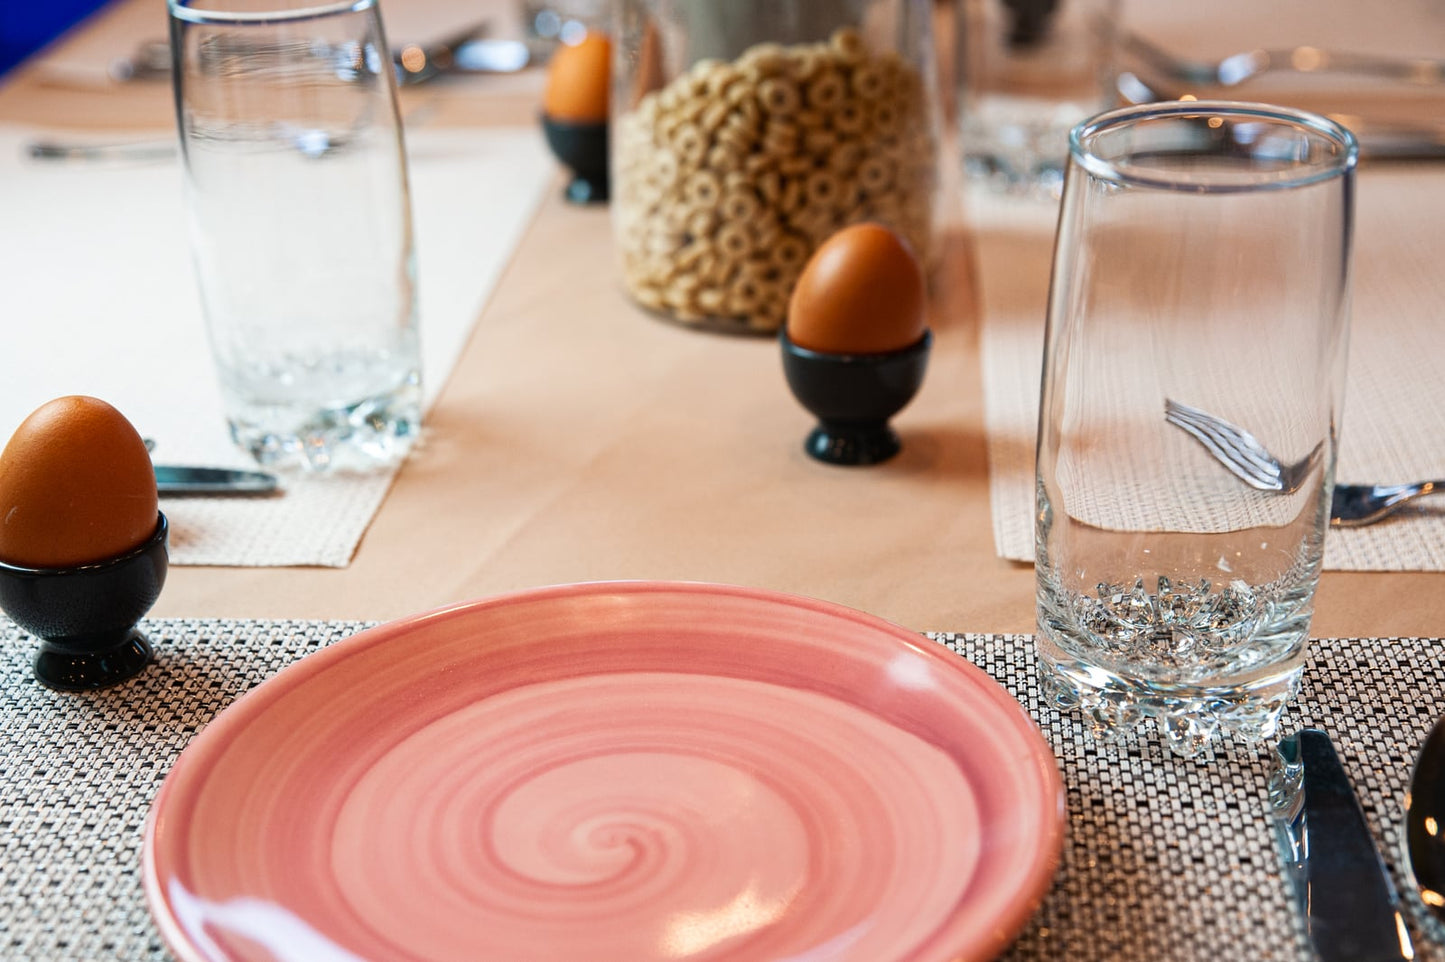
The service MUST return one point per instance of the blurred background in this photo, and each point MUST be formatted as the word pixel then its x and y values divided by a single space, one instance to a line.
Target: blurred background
pixel 27 26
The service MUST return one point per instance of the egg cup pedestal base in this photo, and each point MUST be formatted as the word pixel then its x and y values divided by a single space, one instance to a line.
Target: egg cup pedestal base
pixel 67 670
pixel 853 396
pixel 859 442
pixel 583 149
pixel 85 616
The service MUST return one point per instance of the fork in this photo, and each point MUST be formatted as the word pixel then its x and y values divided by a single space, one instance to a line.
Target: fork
pixel 1241 452
pixel 1352 505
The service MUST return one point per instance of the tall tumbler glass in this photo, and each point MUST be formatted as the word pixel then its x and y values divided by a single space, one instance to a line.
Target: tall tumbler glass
pixel 300 225
pixel 1196 338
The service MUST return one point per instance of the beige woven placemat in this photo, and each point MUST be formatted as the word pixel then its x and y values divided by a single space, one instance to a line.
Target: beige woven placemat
pixel 96 254
pixel 1392 430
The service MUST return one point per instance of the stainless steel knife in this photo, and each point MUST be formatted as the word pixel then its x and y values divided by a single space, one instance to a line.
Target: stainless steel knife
pixel 1351 908
pixel 181 479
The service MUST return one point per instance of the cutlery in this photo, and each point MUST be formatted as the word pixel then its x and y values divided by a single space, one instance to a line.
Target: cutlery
pixel 465 51
pixel 1351 908
pixel 1352 505
pixel 1425 821
pixel 1378 139
pixel 1170 78
pixel 1237 68
pixel 140 150
pixel 185 479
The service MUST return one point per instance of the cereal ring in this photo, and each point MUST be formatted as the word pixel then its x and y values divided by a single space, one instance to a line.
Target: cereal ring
pixel 702 189
pixel 826 90
pixel 735 136
pixel 789 252
pixel 700 223
pixel 716 270
pixel 648 296
pixel 821 188
pixel 740 205
pixel 770 185
pixel 690 145
pixel 768 57
pixel 808 60
pixel 751 113
pixel 704 69
pixel 755 164
pixel 779 95
pixel 868 81
pixel 720 78
pixel 745 295
pixel 714 116
pixel 722 156
pixel 732 241
pixel 737 91
pixel 758 270
pixel 850 118
pixel 662 244
pixel 688 258
pixel 847 45
pixel 766 230
pixel 710 299
pixel 875 175
pixel 780 138
pixel 885 119
pixel 665 166
pixel 674 218
pixel 769 315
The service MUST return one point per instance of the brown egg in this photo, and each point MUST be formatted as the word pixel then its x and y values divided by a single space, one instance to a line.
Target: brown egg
pixel 862 292
pixel 579 79
pixel 76 486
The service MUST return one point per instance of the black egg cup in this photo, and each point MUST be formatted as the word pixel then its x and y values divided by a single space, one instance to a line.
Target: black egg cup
pixel 853 396
pixel 583 149
pixel 85 616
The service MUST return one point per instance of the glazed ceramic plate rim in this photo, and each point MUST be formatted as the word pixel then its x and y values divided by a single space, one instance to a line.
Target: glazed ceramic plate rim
pixel 1037 836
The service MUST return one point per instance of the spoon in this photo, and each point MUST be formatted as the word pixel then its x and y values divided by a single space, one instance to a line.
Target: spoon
pixel 1425 821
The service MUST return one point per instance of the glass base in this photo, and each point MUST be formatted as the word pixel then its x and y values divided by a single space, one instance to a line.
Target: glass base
pixel 367 435
pixel 1187 716
pixel 1019 146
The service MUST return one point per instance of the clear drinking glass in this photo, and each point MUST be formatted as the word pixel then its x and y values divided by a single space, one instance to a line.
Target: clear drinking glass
pixel 1026 72
pixel 300 225
pixel 1202 258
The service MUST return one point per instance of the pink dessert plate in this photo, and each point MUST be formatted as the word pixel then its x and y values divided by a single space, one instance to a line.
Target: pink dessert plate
pixel 620 772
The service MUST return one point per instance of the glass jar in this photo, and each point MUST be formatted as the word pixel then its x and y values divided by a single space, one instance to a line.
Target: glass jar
pixel 745 132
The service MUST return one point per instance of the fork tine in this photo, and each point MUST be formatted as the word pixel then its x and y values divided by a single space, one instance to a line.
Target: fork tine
pixel 1246 446
pixel 1237 450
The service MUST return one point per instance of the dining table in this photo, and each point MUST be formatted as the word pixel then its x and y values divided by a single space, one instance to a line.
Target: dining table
pixel 578 437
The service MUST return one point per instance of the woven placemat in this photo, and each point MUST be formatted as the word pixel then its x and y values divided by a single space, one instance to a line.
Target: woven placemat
pixel 1166 858
pixel 136 309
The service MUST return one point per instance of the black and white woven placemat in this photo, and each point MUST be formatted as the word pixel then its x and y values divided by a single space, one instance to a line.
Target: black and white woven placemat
pixel 1167 859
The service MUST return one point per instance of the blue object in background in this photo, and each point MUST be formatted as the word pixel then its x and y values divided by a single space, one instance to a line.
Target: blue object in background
pixel 28 25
